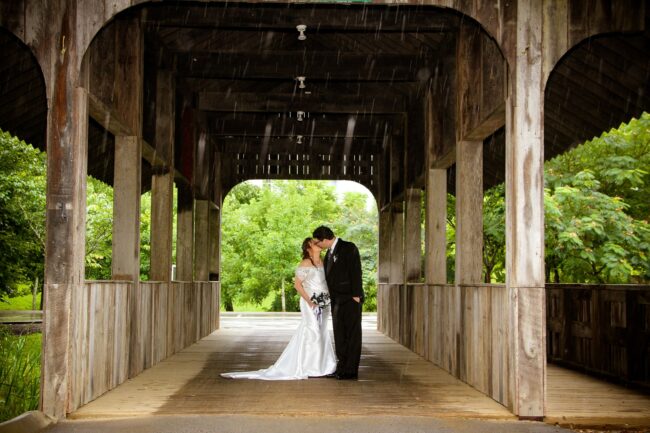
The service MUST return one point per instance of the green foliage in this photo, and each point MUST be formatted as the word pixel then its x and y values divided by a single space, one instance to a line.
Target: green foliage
pixel 22 214
pixel 99 229
pixel 596 212
pixel 20 371
pixel 494 237
pixel 263 228
pixel 597 208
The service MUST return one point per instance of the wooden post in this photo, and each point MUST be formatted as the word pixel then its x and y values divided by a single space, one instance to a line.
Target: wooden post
pixel 67 137
pixel 436 227
pixel 469 212
pixel 126 237
pixel 126 209
pixel 185 234
pixel 412 236
pixel 385 233
pixel 397 245
pixel 214 234
pixel 162 181
pixel 202 240
pixel 525 215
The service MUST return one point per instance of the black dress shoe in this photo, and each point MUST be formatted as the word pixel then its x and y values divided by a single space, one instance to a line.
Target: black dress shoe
pixel 330 376
pixel 347 376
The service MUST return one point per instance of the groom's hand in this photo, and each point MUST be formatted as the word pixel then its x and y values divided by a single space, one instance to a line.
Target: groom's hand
pixel 356 299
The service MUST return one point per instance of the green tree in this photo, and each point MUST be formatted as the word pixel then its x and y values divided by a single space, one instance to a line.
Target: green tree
pixel 22 214
pixel 263 228
pixel 494 240
pixel 99 229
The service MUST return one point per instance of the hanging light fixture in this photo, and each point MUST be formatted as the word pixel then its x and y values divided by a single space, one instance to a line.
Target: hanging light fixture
pixel 301 28
pixel 300 115
pixel 299 139
pixel 301 82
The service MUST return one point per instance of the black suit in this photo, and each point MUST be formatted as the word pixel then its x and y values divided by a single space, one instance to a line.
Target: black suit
pixel 343 274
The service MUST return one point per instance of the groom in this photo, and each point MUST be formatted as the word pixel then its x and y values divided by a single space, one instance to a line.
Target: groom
pixel 343 275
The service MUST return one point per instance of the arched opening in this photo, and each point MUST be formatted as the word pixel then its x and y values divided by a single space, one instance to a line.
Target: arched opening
pixel 265 222
pixel 23 181
pixel 596 278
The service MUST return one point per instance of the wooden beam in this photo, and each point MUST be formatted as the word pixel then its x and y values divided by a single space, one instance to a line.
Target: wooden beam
pixel 525 216
pixel 214 235
pixel 323 103
pixel 315 86
pixel 185 234
pixel 112 121
pixel 469 212
pixel 162 182
pixel 348 67
pixel 488 124
pixel 385 230
pixel 126 209
pixel 480 99
pixel 436 227
pixel 202 240
pixel 397 246
pixel 412 236
pixel 330 125
pixel 283 17
pixel 309 145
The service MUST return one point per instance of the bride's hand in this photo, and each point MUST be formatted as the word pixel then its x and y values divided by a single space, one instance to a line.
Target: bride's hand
pixel 312 305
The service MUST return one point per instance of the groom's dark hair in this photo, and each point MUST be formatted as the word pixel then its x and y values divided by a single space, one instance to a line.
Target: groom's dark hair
pixel 323 232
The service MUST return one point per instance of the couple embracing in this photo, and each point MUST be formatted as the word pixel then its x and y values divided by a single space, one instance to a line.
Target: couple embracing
pixel 329 286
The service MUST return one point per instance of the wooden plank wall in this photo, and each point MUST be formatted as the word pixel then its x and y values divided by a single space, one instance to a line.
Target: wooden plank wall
pixel 462 329
pixel 172 317
pixel 603 329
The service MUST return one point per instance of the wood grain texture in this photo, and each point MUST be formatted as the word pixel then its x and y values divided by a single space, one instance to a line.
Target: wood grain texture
pixel 170 317
pixel 462 329
pixel 525 216
pixel 413 236
pixel 469 212
pixel 436 227
pixel 393 380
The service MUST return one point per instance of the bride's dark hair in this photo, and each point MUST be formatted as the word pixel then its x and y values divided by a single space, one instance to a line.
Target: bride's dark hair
pixel 305 250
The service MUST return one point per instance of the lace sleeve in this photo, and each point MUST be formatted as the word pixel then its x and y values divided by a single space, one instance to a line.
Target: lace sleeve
pixel 301 273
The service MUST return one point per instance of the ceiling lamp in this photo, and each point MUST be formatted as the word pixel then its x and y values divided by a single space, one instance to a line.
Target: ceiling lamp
pixel 299 139
pixel 301 28
pixel 301 81
pixel 300 115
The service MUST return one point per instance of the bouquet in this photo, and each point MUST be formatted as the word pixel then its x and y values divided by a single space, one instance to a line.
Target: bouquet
pixel 322 300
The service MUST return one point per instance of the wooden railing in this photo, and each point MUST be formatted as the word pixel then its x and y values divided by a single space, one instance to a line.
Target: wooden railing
pixel 463 329
pixel 602 329
pixel 115 338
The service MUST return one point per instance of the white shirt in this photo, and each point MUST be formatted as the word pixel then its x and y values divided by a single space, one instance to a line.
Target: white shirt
pixel 331 249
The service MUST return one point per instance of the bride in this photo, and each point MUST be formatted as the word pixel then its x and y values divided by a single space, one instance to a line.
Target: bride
pixel 309 352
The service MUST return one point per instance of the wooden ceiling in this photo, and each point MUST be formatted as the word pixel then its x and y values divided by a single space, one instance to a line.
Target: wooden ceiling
pixel 364 66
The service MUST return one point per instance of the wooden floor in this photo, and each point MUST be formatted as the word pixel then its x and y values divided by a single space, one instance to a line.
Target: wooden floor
pixel 577 399
pixel 393 381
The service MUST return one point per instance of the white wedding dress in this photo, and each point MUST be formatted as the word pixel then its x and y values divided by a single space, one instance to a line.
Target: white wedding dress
pixel 309 352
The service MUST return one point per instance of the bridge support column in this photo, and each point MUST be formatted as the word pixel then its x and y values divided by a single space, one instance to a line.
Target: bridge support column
pixel 185 234
pixel 525 215
pixel 413 235
pixel 162 181
pixel 436 227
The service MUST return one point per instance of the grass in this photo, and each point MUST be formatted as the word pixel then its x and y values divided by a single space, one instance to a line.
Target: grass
pixel 20 371
pixel 20 302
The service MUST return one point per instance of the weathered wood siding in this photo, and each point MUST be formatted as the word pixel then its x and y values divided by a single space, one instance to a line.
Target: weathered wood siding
pixel 604 329
pixel 462 329
pixel 171 317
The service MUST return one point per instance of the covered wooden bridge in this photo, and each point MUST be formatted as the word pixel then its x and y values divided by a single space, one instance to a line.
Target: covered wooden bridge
pixel 407 98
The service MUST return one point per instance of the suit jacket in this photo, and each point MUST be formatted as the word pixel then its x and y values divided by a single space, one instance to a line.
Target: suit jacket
pixel 343 272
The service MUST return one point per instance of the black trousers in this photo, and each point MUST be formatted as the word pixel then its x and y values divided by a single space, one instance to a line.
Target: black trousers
pixel 346 321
